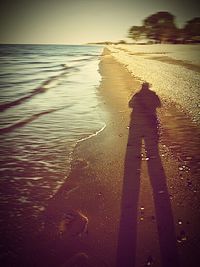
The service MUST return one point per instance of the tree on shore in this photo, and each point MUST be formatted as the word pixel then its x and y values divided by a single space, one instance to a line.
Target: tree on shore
pixel 137 32
pixel 161 28
pixel 191 31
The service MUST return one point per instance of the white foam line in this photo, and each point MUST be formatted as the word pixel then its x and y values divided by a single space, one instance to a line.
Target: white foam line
pixel 72 190
pixel 92 135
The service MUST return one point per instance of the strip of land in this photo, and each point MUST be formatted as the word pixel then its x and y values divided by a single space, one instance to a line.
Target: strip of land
pixel 84 221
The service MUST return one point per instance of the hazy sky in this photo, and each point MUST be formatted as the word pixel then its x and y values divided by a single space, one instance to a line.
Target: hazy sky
pixel 81 21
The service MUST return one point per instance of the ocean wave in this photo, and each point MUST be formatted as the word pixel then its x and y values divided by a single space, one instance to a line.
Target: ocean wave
pixel 89 54
pixel 36 62
pixel 16 102
pixel 92 135
pixel 46 85
pixel 25 121
pixel 79 59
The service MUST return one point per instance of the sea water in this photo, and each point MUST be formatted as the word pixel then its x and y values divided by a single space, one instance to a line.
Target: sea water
pixel 49 101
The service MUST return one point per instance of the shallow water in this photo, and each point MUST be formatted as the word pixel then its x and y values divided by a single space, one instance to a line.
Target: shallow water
pixel 49 102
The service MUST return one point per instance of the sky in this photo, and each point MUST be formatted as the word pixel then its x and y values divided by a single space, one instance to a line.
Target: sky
pixel 82 21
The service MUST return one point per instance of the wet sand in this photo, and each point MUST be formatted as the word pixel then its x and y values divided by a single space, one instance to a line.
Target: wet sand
pixel 99 210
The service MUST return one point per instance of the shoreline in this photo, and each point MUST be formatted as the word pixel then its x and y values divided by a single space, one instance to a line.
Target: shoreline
pixel 92 163
pixel 92 191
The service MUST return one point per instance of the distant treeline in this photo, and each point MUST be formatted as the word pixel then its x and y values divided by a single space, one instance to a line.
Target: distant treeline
pixel 161 28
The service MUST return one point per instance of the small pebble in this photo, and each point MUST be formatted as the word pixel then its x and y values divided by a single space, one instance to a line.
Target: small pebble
pixel 149 261
pixel 182 237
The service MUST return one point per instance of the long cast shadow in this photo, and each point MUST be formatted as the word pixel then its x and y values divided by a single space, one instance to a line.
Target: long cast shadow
pixel 144 125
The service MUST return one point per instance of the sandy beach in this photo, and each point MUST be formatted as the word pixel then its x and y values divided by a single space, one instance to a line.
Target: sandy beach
pixel 116 211
pixel 99 133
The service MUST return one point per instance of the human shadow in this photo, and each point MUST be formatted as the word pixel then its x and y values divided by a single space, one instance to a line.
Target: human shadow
pixel 144 126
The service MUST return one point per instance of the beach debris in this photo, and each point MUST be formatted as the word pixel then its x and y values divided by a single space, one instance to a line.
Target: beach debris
pixel 180 222
pixel 73 223
pixel 149 261
pixel 100 194
pixel 184 168
pixel 182 237
pixel 142 213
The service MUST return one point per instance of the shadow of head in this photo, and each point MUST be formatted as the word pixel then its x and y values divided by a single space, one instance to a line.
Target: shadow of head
pixel 145 86
pixel 144 104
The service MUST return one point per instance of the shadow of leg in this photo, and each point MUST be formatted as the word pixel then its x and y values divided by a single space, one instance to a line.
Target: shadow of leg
pixel 126 250
pixel 164 215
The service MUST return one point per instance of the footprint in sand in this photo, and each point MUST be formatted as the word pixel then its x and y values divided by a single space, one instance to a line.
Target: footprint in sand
pixel 73 223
